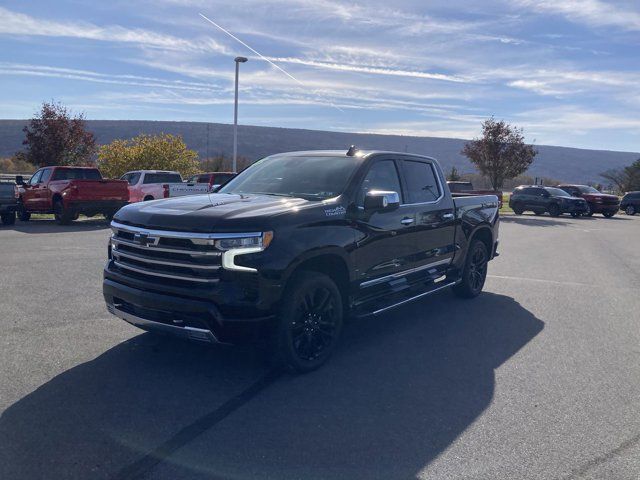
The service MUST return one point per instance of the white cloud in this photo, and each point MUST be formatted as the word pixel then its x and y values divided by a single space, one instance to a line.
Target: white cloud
pixel 19 24
pixel 591 12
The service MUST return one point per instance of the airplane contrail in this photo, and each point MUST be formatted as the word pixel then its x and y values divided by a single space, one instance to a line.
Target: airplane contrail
pixel 260 55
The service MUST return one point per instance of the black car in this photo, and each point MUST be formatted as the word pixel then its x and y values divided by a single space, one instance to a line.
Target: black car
pixel 630 203
pixel 539 200
pixel 293 245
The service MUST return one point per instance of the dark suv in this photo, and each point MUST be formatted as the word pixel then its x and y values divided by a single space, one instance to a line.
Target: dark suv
pixel 630 203
pixel 539 200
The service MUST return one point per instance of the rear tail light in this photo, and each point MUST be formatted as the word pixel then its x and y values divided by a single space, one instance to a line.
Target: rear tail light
pixel 165 191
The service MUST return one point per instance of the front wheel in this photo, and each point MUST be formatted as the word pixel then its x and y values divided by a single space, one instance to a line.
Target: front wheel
pixel 554 210
pixel 517 209
pixel 8 218
pixel 589 212
pixel 608 214
pixel 630 210
pixel 309 322
pixel 23 215
pixel 475 271
pixel 575 214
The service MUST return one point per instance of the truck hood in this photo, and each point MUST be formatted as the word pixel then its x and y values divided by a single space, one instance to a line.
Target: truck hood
pixel 210 212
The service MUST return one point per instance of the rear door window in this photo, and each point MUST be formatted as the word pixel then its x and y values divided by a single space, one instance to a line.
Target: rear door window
pixel 422 185
pixel 162 178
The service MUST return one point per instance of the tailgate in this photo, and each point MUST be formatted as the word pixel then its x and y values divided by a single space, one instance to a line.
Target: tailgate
pixel 101 189
pixel 7 193
pixel 182 189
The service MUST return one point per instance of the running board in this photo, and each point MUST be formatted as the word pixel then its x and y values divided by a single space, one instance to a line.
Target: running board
pixel 410 299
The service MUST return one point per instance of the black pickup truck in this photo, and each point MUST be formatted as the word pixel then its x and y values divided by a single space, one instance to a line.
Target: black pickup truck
pixel 294 245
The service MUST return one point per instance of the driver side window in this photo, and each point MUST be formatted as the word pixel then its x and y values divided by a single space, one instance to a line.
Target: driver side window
pixel 35 179
pixel 382 175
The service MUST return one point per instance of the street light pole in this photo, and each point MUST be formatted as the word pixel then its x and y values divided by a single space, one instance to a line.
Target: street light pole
pixel 238 61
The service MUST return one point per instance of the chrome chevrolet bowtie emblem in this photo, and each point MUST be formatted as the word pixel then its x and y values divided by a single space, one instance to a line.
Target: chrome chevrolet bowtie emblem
pixel 144 239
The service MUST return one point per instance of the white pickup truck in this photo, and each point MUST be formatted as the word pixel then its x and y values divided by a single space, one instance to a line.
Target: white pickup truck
pixel 154 184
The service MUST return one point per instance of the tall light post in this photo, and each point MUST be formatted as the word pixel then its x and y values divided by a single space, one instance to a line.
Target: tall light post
pixel 238 61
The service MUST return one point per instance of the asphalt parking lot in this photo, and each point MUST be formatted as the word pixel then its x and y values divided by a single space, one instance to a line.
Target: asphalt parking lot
pixel 539 377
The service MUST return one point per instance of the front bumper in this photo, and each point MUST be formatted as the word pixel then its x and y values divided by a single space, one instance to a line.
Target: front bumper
pixel 184 317
pixel 603 208
pixel 574 208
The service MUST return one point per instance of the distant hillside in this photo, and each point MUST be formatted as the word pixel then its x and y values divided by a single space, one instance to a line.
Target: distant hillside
pixel 569 164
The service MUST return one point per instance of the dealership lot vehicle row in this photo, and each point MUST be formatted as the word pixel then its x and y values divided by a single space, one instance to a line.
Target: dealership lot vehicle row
pixel 538 377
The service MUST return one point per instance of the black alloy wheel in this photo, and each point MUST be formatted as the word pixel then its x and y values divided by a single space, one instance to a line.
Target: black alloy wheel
pixel 310 322
pixel 517 209
pixel 23 215
pixel 475 271
pixel 630 210
pixel 62 215
pixel 554 210
pixel 589 212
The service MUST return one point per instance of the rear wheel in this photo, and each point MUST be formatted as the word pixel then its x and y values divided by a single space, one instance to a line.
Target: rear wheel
pixel 630 210
pixel 475 271
pixel 309 322
pixel 62 214
pixel 554 210
pixel 8 218
pixel 608 214
pixel 575 214
pixel 517 209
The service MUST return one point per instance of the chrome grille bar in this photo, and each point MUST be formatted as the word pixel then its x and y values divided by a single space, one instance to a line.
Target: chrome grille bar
pixel 139 258
pixel 154 273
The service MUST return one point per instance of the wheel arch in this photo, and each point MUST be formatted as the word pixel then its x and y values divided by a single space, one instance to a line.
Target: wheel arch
pixel 485 235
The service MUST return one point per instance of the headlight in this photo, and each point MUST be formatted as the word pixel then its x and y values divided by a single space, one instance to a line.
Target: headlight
pixel 262 241
pixel 234 247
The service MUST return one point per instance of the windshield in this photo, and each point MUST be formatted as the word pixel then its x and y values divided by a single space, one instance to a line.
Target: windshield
pixel 162 178
pixel 556 192
pixel 313 178
pixel 586 189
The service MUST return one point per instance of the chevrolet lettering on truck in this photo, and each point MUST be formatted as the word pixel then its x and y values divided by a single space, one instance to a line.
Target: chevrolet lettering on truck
pixel 293 246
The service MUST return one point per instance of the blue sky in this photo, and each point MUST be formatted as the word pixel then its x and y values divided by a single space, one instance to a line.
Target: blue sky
pixel 567 71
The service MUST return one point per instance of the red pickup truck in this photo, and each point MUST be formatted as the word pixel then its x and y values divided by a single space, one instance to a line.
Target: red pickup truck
pixel 68 192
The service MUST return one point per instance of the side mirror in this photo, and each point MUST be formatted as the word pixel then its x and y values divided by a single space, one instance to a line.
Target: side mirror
pixel 381 200
pixel 19 180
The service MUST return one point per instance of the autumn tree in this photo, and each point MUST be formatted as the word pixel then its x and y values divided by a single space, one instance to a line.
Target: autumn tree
pixel 501 153
pixel 148 152
pixel 625 179
pixel 54 137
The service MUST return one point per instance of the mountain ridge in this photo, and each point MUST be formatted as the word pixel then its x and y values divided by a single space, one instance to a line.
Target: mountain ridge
pixel 210 139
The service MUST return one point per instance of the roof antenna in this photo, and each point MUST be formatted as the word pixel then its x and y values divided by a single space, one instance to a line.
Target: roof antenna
pixel 352 151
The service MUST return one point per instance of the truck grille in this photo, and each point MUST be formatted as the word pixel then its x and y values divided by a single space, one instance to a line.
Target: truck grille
pixel 166 256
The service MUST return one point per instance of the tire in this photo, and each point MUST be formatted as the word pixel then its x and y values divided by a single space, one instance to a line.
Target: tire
pixel 309 322
pixel 517 209
pixel 23 215
pixel 576 215
pixel 8 218
pixel 62 215
pixel 554 210
pixel 630 210
pixel 538 213
pixel 109 216
pixel 608 214
pixel 475 271
pixel 589 212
